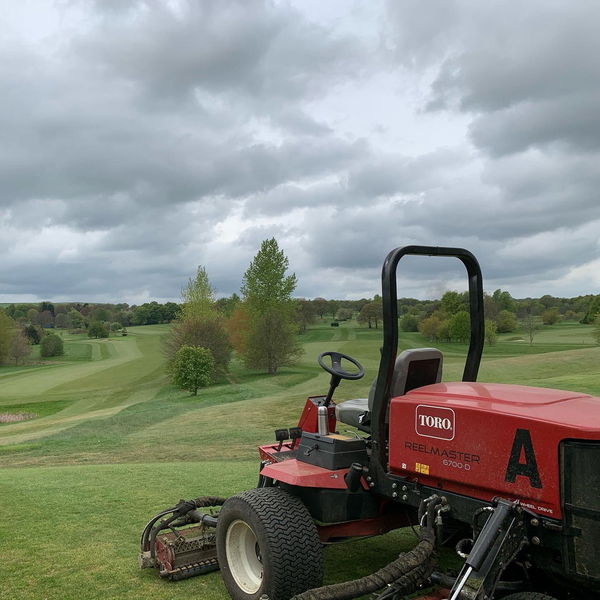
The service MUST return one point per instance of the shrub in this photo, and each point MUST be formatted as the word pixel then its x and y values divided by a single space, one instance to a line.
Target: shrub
pixel 51 345
pixel 97 329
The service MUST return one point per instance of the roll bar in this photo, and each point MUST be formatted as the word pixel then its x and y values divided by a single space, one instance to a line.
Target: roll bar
pixel 382 394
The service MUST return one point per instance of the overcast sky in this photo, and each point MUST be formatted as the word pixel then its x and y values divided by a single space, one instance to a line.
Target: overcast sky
pixel 142 139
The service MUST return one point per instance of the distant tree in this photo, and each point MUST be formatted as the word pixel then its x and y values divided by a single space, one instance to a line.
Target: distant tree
pixel 7 327
pixel 320 305
pixel 192 368
pixel 237 327
pixel 206 333
pixel 431 327
pixel 551 316
pixel 63 321
pixel 98 329
pixel 371 313
pixel 228 304
pixel 116 326
pixel 171 311
pixel 343 314
pixel 198 297
pixel 20 347
pixel 51 345
pixel 503 300
pixel 46 306
pixel 77 319
pixel 459 326
pixel 506 322
pixel 490 332
pixel 596 330
pixel 270 339
pixel 593 310
pixel 453 302
pixel 33 316
pixel 101 313
pixel 409 322
pixel 305 313
pixel 530 325
pixel 332 307
pixel 34 333
pixel 46 319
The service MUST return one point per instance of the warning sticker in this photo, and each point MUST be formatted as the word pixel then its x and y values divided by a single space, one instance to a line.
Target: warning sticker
pixel 420 468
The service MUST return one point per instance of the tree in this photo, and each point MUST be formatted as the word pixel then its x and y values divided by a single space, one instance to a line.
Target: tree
pixel 192 368
pixel 51 345
pixel 270 339
pixel 551 316
pixel 321 305
pixel 431 326
pixel 596 330
pixel 97 329
pixel 506 321
pixel 459 326
pixel 237 327
pixel 593 310
pixel 371 313
pixel 33 333
pixel 409 322
pixel 20 347
pixel 343 314
pixel 490 332
pixel 305 313
pixel 63 321
pixel 198 297
pixel 530 325
pixel 453 302
pixel 76 318
pixel 206 333
pixel 7 326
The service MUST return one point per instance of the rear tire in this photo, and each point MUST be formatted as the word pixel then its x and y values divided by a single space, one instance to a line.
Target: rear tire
pixel 267 544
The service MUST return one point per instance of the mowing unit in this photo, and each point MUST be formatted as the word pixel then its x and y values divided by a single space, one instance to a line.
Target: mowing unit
pixel 508 475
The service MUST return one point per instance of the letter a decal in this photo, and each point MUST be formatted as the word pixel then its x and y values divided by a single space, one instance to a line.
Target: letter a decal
pixel 522 444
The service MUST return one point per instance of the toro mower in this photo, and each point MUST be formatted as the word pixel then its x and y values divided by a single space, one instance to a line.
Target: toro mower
pixel 508 475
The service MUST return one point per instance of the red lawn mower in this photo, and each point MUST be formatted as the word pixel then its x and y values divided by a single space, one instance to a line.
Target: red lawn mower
pixel 509 475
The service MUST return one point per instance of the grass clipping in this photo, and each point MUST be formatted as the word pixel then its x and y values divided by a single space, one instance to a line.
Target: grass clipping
pixel 16 417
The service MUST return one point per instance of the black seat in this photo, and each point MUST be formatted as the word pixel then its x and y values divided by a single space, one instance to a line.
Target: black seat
pixel 413 368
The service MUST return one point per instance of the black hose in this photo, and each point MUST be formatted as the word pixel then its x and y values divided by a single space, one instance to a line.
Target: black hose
pixel 406 573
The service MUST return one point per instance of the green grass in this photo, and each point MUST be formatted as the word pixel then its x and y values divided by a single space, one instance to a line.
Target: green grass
pixel 114 442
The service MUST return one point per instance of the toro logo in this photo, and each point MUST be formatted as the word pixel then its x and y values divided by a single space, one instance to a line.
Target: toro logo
pixel 435 422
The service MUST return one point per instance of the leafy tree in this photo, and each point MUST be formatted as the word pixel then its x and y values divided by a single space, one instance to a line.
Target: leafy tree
pixel 490 332
pixel 7 326
pixel 33 333
pixel 270 339
pixel 46 306
pixel 320 305
pixel 228 304
pixel 77 319
pixel 343 314
pixel 63 321
pixel 171 311
pixel 431 326
pixel 116 326
pixel 409 322
pixel 206 333
pixel 46 319
pixel 198 297
pixel 596 330
pixel 506 321
pixel 503 300
pixel 530 325
pixel 98 329
pixel 20 347
pixel 371 313
pixel 453 302
pixel 51 345
pixel 192 368
pixel 305 313
pixel 33 316
pixel 551 316
pixel 593 310
pixel 459 326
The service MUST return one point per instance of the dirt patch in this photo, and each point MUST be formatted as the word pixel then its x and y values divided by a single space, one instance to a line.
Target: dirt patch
pixel 16 417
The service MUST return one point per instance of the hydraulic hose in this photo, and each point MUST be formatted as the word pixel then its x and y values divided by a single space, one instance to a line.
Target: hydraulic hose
pixel 406 573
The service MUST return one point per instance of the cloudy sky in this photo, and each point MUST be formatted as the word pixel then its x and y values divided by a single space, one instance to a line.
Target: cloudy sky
pixel 143 138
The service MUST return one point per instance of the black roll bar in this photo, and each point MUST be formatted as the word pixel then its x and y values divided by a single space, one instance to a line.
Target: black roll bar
pixel 382 394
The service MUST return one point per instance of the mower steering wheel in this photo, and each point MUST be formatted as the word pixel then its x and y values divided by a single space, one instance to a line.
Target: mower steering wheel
pixel 336 365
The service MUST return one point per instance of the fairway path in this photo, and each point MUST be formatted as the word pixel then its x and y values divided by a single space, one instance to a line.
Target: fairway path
pixel 122 372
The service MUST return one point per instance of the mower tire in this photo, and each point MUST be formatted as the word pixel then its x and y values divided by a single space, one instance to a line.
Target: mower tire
pixel 268 545
pixel 528 596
